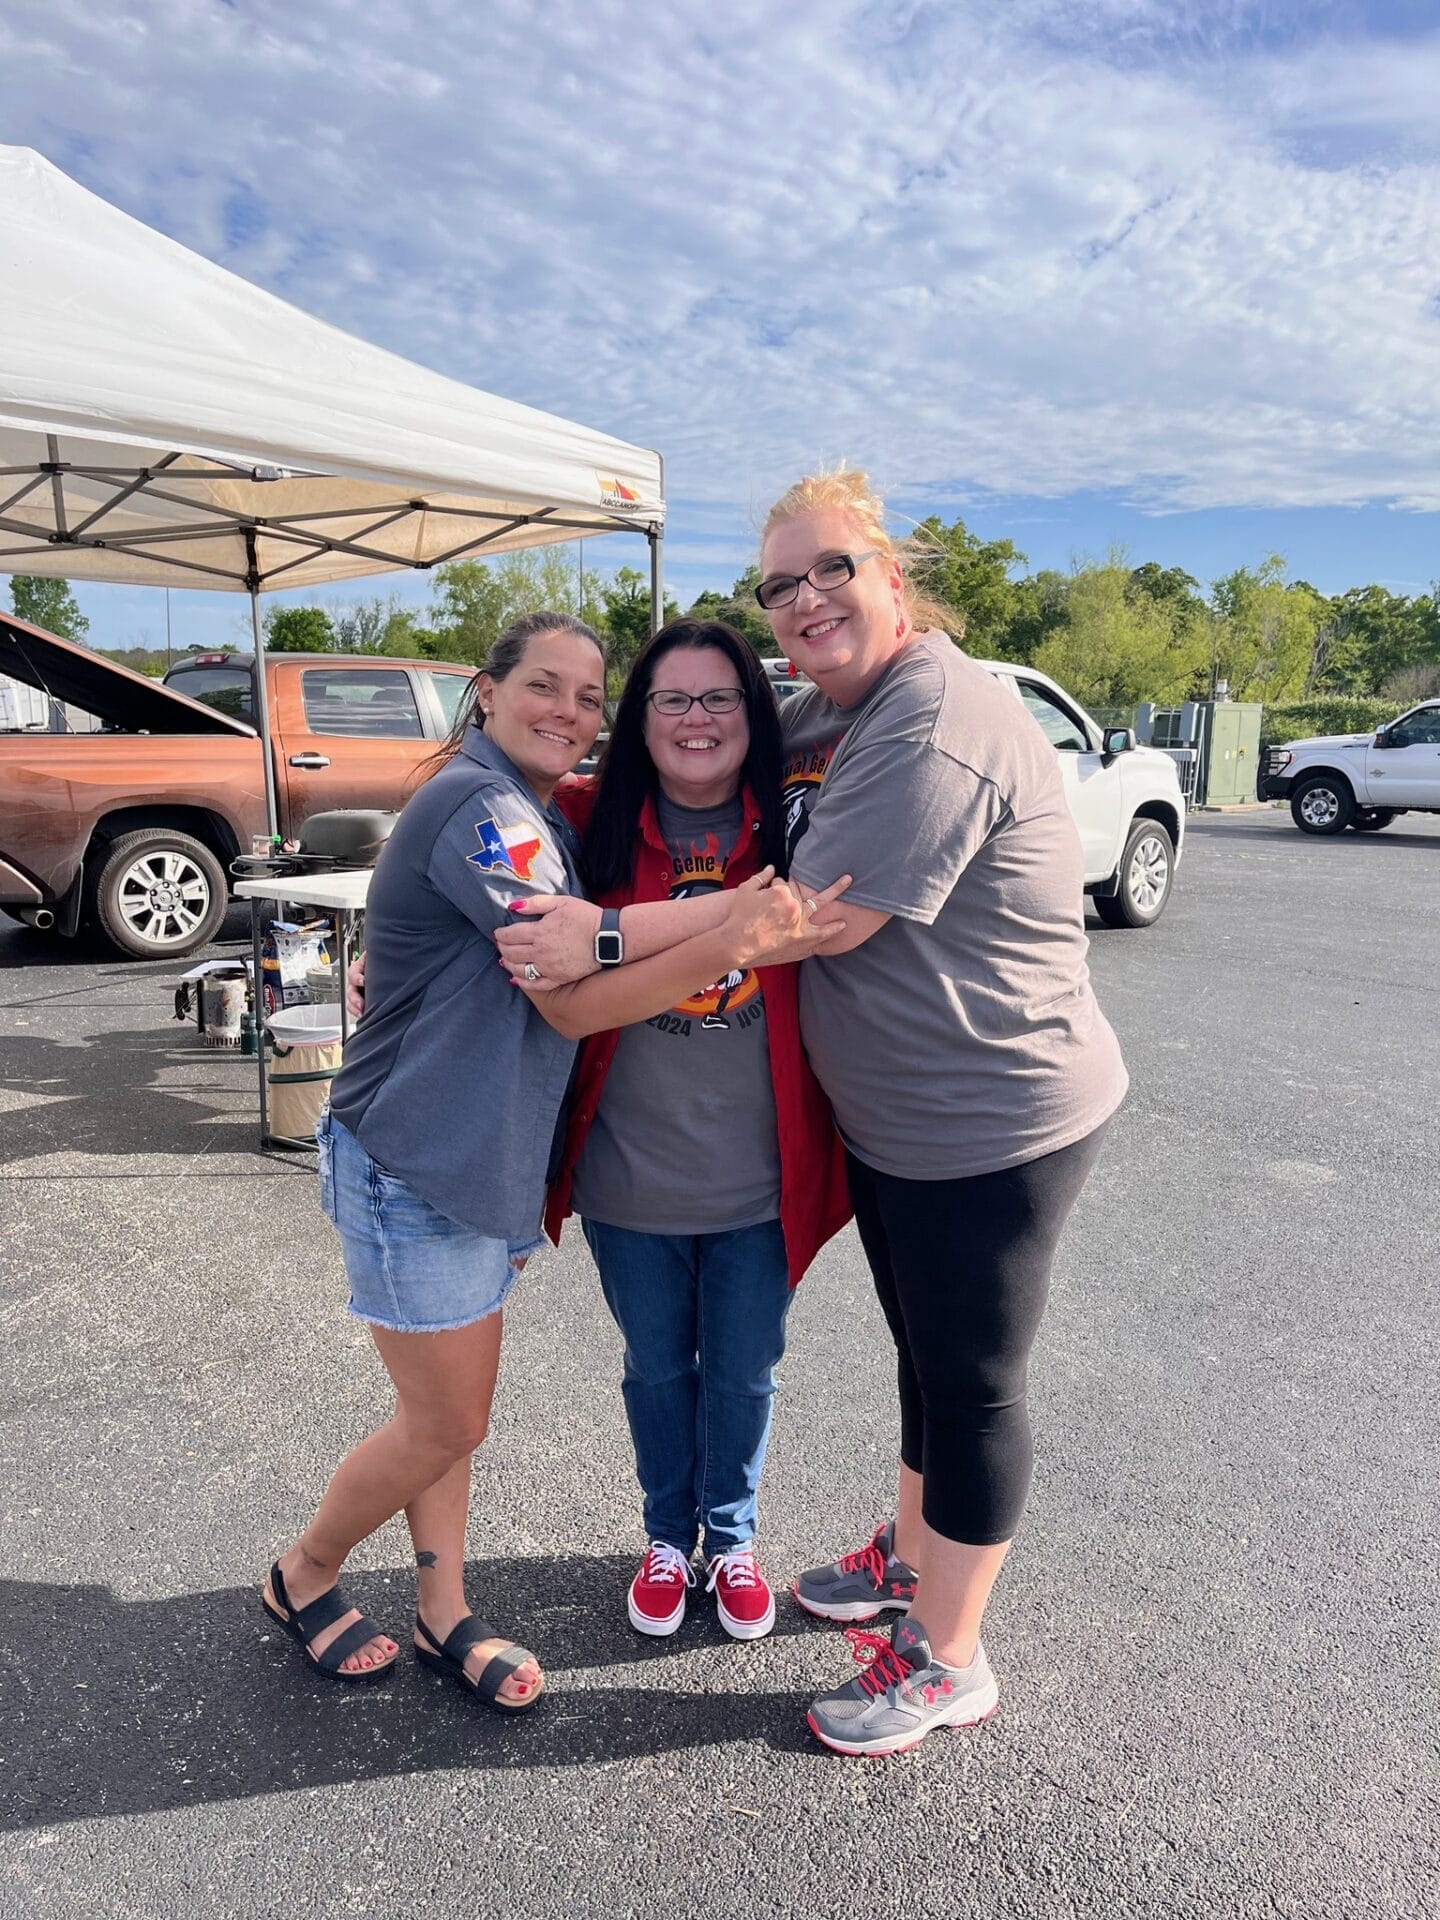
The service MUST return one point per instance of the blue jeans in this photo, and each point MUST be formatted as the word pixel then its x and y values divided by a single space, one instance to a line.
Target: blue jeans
pixel 703 1317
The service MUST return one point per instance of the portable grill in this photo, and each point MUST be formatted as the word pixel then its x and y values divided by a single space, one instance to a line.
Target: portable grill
pixel 336 842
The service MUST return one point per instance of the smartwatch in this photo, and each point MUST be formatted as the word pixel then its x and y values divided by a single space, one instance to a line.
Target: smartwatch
pixel 609 941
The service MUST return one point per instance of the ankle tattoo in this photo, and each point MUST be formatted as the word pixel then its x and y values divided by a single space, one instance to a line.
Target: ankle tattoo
pixel 313 1559
pixel 425 1560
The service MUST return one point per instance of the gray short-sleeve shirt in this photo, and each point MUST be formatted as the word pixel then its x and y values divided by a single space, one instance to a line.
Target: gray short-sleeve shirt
pixel 964 1036
pixel 452 1081
pixel 684 1137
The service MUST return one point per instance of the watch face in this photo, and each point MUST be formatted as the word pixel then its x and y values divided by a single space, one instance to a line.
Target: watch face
pixel 609 949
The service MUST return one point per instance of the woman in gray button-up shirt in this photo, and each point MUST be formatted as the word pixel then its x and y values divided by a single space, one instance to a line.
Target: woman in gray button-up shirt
pixel 433 1154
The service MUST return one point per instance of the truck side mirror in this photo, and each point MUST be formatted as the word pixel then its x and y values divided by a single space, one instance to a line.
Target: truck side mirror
pixel 1117 740
pixel 1382 738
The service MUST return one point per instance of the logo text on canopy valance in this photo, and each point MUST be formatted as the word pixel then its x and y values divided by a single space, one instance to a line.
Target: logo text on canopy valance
pixel 615 494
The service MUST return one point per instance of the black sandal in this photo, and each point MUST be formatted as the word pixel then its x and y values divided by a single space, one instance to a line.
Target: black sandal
pixel 449 1657
pixel 305 1624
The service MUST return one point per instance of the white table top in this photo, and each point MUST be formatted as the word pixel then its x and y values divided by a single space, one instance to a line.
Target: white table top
pixel 338 890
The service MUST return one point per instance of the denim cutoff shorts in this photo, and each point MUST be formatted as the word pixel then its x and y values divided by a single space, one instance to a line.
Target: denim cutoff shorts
pixel 411 1268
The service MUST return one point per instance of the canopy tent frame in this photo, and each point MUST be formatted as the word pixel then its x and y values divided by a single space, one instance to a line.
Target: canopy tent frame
pixel 291 528
pixel 120 338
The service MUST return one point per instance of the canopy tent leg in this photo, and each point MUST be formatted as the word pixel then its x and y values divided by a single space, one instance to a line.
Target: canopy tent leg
pixel 262 697
pixel 656 537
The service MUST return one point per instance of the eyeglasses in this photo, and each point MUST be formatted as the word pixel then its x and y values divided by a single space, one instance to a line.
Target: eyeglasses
pixel 672 703
pixel 835 570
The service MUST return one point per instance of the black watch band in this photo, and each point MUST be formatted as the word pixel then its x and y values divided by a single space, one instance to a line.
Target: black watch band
pixel 609 941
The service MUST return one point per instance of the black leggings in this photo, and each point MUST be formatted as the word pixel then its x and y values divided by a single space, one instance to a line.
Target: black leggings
pixel 962 1268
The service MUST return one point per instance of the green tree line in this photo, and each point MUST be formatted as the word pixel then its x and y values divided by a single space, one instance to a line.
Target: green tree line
pixel 1112 633
pixel 1116 634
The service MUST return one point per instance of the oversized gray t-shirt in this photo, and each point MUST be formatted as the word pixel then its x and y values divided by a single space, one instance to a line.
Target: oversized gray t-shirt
pixel 963 1036
pixel 684 1137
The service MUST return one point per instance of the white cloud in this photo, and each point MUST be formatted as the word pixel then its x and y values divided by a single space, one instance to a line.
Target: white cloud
pixel 1126 245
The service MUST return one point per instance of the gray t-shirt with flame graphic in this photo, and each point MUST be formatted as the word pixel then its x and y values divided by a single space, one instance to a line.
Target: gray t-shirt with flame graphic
pixel 684 1139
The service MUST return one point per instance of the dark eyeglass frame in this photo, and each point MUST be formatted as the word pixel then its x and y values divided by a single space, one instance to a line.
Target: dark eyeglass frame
pixel 731 698
pixel 852 561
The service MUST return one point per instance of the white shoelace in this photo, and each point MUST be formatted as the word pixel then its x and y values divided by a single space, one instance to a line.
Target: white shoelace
pixel 668 1563
pixel 738 1568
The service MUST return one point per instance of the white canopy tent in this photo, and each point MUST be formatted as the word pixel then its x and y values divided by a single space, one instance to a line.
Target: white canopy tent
pixel 164 423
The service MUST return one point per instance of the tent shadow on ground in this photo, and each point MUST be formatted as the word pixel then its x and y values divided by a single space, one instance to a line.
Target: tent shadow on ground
pixel 103 1097
pixel 117 1707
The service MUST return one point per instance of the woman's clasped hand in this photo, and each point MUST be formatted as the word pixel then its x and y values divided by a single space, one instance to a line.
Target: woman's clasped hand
pixel 771 922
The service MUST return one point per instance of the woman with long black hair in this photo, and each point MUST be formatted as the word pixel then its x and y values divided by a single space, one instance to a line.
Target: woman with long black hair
pixel 700 1150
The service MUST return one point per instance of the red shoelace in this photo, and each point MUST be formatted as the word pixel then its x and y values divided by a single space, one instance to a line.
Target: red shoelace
pixel 884 1668
pixel 865 1560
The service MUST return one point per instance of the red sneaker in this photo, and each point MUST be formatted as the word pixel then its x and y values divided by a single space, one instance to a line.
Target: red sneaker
pixel 744 1600
pixel 657 1593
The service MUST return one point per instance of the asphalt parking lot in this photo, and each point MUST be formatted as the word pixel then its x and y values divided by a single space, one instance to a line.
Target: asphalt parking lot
pixel 1216 1638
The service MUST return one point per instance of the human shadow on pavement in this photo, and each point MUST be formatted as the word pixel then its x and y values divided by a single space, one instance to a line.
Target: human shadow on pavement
pixel 103 1097
pixel 111 1707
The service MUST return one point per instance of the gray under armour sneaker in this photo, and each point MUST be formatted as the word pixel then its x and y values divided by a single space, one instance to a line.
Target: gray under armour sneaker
pixel 903 1694
pixel 859 1584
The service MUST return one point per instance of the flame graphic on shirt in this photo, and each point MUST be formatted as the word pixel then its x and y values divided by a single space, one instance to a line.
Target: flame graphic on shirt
pixel 704 872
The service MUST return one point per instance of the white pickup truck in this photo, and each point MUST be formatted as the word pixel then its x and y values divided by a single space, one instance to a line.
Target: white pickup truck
pixel 1126 799
pixel 1359 780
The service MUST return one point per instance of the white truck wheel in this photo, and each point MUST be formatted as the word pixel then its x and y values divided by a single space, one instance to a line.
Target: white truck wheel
pixel 1322 803
pixel 1147 871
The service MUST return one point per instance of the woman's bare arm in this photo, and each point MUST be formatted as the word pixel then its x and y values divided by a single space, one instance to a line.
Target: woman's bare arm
pixel 556 936
pixel 556 933
pixel 763 925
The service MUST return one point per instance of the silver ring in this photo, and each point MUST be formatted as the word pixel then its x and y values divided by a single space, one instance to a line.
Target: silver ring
pixel 812 906
pixel 532 972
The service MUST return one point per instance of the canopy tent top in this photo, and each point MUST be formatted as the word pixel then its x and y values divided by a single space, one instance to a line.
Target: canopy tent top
pixel 165 423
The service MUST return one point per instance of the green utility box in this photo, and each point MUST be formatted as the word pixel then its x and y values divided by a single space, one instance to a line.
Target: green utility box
pixel 1232 752
pixel 1215 745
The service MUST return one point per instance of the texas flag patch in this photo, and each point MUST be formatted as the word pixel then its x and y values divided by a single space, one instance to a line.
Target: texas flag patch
pixel 505 849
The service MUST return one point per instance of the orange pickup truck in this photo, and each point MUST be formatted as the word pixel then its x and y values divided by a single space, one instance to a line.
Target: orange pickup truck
pixel 132 828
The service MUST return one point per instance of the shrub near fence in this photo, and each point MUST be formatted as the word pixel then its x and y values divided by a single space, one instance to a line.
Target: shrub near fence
pixel 1337 713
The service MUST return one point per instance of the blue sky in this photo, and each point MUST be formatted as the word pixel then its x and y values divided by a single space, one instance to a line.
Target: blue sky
pixel 1159 274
